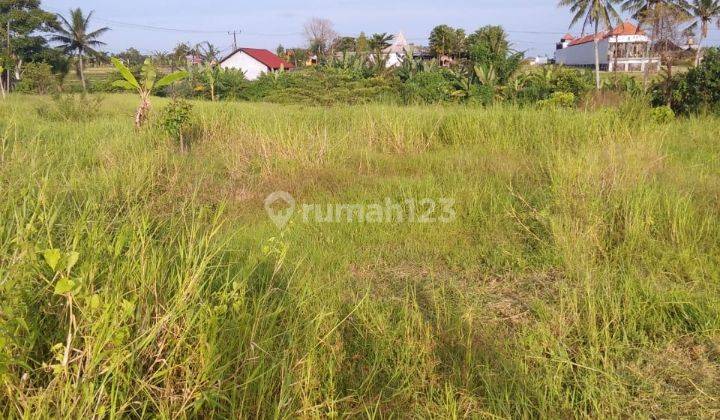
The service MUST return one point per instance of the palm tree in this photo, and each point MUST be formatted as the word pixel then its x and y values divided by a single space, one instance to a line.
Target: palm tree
pixel 704 12
pixel 595 13
pixel 208 52
pixel 381 41
pixel 74 37
pixel 160 57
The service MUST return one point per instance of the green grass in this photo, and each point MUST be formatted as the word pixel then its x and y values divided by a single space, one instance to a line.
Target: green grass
pixel 580 278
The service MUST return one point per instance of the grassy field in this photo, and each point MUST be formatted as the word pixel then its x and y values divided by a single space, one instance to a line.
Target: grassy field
pixel 581 276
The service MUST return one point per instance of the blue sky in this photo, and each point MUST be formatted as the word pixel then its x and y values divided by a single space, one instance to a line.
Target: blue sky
pixel 534 25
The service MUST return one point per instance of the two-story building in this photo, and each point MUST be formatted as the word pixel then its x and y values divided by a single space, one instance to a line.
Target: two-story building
pixel 622 49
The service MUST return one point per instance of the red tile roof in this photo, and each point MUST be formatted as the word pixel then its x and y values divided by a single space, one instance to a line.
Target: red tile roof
pixel 626 28
pixel 264 56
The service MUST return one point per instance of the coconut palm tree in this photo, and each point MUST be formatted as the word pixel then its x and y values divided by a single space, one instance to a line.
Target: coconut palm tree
pixel 379 42
pixel 703 12
pixel 597 14
pixel 75 38
pixel 208 52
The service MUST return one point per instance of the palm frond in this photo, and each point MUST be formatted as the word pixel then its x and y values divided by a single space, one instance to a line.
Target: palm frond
pixel 97 33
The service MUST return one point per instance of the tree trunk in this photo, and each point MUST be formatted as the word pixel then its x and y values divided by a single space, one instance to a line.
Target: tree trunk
pixel 615 54
pixel 698 54
pixel 82 71
pixel 668 82
pixel 597 57
pixel 142 112
pixel 648 58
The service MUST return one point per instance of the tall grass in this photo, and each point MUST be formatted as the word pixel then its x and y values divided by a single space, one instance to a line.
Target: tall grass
pixel 580 278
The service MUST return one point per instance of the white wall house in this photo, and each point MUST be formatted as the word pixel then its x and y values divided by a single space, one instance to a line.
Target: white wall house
pixel 254 62
pixel 395 54
pixel 623 47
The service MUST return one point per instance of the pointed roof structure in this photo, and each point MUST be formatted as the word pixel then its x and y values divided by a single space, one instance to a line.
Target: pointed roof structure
pixel 399 45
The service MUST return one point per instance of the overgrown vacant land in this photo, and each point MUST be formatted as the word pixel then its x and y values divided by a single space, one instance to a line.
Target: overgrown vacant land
pixel 580 277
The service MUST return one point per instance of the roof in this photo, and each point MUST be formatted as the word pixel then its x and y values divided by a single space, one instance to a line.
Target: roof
pixel 398 46
pixel 626 28
pixel 194 59
pixel 568 37
pixel 266 57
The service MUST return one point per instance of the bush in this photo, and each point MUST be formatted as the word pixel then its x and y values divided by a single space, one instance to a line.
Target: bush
pixel 321 86
pixel 428 87
pixel 577 82
pixel 175 121
pixel 558 100
pixel 541 84
pixel 231 85
pixel 74 108
pixel 696 91
pixel 38 78
pixel 662 114
pixel 622 83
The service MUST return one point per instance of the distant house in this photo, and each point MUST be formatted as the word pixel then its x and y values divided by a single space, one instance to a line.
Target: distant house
pixel 193 60
pixel 397 51
pixel 622 49
pixel 540 61
pixel 254 62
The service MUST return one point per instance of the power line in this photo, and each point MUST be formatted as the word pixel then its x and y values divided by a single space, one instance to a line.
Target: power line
pixel 151 27
pixel 160 28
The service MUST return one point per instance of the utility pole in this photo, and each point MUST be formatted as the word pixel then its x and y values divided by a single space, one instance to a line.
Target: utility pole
pixel 234 34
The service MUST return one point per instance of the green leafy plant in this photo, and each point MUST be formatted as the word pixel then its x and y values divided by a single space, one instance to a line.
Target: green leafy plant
pixel 429 87
pixel 70 288
pixel 693 92
pixel 558 100
pixel 146 87
pixel 622 83
pixel 37 78
pixel 175 121
pixel 2 86
pixel 662 114
pixel 211 73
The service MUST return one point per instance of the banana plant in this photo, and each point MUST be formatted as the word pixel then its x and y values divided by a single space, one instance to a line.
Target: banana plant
pixel 487 76
pixel 212 71
pixel 146 88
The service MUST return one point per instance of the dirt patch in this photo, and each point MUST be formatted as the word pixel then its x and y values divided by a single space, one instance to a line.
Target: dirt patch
pixel 681 379
pixel 506 299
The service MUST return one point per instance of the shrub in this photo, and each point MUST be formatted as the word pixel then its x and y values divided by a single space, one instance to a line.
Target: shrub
pixel 695 91
pixel 577 82
pixel 321 86
pixel 541 84
pixel 74 108
pixel 38 78
pixel 175 121
pixel 663 114
pixel 428 87
pixel 622 83
pixel 558 100
pixel 231 84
